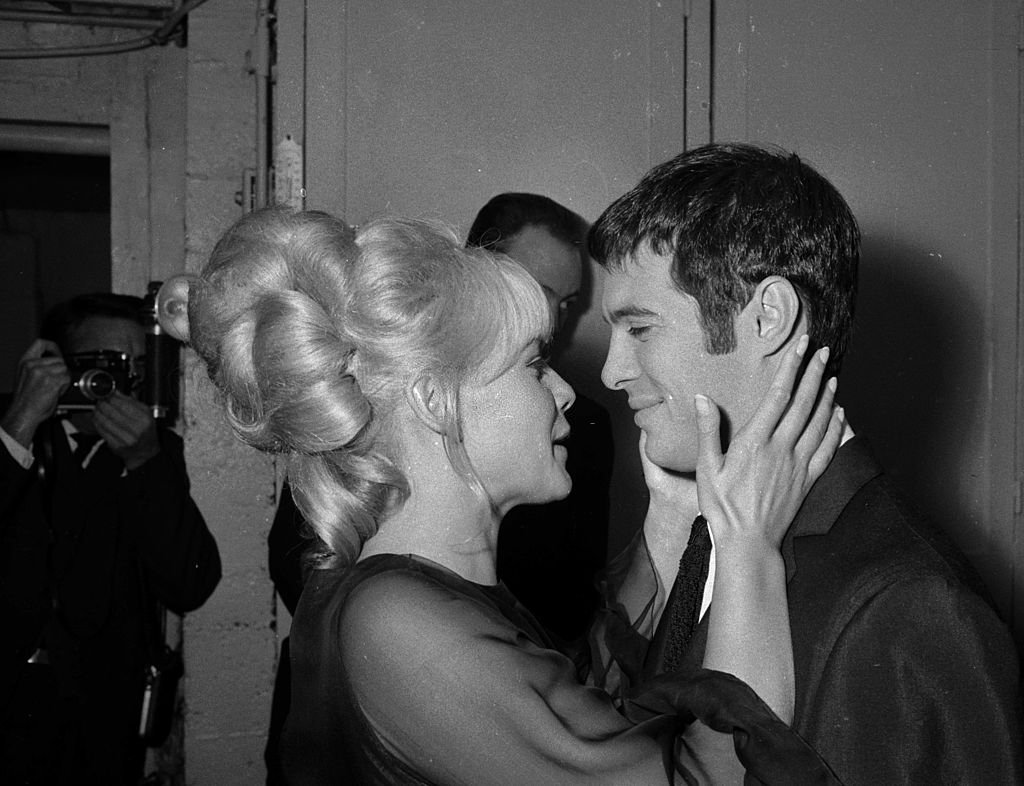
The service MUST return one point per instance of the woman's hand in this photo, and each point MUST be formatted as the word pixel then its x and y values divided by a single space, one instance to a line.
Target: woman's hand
pixel 749 498
pixel 751 494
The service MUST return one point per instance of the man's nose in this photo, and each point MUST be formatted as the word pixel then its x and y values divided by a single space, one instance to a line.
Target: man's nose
pixel 618 364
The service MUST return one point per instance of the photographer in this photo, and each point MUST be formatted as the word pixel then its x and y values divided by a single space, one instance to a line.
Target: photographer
pixel 97 533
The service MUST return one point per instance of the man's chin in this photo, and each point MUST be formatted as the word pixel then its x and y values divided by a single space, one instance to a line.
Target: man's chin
pixel 673 458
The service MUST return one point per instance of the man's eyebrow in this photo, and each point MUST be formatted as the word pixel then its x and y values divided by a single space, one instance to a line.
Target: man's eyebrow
pixel 628 312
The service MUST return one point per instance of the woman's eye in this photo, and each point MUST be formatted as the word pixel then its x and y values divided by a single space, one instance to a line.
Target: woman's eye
pixel 638 331
pixel 540 367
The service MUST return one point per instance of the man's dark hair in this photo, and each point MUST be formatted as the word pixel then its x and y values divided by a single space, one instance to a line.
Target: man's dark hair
pixel 65 317
pixel 506 215
pixel 731 215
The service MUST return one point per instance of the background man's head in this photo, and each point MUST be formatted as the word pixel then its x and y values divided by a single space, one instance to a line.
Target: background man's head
pixel 544 237
pixel 99 321
pixel 717 261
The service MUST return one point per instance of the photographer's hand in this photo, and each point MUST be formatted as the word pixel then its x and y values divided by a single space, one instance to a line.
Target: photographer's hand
pixel 42 378
pixel 128 428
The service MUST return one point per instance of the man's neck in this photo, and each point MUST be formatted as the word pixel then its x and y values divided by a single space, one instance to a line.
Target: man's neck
pixel 667 529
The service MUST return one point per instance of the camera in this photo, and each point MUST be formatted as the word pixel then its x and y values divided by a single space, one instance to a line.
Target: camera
pixel 94 377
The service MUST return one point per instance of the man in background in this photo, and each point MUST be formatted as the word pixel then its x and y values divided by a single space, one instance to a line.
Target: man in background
pixel 98 533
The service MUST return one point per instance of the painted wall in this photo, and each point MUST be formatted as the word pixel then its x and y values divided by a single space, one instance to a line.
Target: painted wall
pixel 231 639
pixel 430 109
pixel 912 109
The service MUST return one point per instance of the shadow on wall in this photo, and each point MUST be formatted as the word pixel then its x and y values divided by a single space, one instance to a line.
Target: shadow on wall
pixel 913 383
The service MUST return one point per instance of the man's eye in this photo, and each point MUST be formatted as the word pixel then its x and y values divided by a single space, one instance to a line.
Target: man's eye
pixel 638 331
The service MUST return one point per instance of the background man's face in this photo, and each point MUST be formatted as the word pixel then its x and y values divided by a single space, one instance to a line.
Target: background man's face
pixel 95 333
pixel 120 335
pixel 555 265
pixel 657 356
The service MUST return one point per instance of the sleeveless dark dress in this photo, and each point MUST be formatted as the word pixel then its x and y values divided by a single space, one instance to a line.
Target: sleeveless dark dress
pixel 405 673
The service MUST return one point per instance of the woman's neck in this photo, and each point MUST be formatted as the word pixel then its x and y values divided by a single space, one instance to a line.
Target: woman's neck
pixel 442 520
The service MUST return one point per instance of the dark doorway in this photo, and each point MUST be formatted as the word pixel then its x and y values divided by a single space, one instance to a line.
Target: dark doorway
pixel 54 241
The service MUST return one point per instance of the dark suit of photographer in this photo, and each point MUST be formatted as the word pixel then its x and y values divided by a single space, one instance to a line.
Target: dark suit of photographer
pixel 90 544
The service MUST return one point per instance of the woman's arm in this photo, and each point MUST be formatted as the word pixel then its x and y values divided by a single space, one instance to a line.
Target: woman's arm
pixel 749 497
pixel 455 690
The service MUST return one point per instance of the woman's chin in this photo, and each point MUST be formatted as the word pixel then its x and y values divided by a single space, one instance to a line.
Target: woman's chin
pixel 565 486
pixel 557 490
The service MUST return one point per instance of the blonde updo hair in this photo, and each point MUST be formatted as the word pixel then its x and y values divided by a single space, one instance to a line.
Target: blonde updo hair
pixel 313 332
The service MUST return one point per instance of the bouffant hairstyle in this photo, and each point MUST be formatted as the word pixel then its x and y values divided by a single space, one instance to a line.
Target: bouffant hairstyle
pixel 313 334
pixel 730 215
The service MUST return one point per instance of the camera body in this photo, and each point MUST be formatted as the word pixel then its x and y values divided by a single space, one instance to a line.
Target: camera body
pixel 94 377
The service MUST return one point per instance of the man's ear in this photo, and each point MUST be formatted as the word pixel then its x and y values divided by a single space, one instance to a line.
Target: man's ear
pixel 172 305
pixel 428 400
pixel 776 312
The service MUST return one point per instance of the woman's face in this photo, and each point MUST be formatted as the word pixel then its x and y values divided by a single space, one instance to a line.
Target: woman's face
pixel 514 430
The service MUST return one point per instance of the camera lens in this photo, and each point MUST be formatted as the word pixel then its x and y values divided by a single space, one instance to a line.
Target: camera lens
pixel 96 384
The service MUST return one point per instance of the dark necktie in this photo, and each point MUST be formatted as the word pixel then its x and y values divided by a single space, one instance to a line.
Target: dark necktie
pixel 682 611
pixel 84 443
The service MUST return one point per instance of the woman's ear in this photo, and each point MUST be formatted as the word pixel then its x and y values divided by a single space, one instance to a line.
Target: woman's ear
pixel 172 305
pixel 428 400
pixel 777 312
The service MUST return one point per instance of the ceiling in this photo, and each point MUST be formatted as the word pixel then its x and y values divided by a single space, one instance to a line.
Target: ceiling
pixel 148 15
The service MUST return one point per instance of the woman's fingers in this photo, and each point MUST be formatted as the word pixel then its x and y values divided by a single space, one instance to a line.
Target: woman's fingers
pixel 795 422
pixel 777 398
pixel 810 434
pixel 828 446
pixel 709 435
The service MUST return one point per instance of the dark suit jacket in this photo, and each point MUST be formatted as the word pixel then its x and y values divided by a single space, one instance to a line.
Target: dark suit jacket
pixel 904 672
pixel 76 548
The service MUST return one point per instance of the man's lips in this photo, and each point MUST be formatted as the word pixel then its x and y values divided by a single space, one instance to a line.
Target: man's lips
pixel 639 405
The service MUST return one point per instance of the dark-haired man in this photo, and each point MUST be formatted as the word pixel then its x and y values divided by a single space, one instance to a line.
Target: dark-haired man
pixel 97 529
pixel 718 261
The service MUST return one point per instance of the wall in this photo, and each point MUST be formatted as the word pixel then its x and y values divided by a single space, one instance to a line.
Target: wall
pixel 231 640
pixel 912 109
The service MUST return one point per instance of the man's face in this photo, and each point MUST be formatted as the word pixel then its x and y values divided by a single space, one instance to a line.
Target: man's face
pixel 555 265
pixel 657 356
